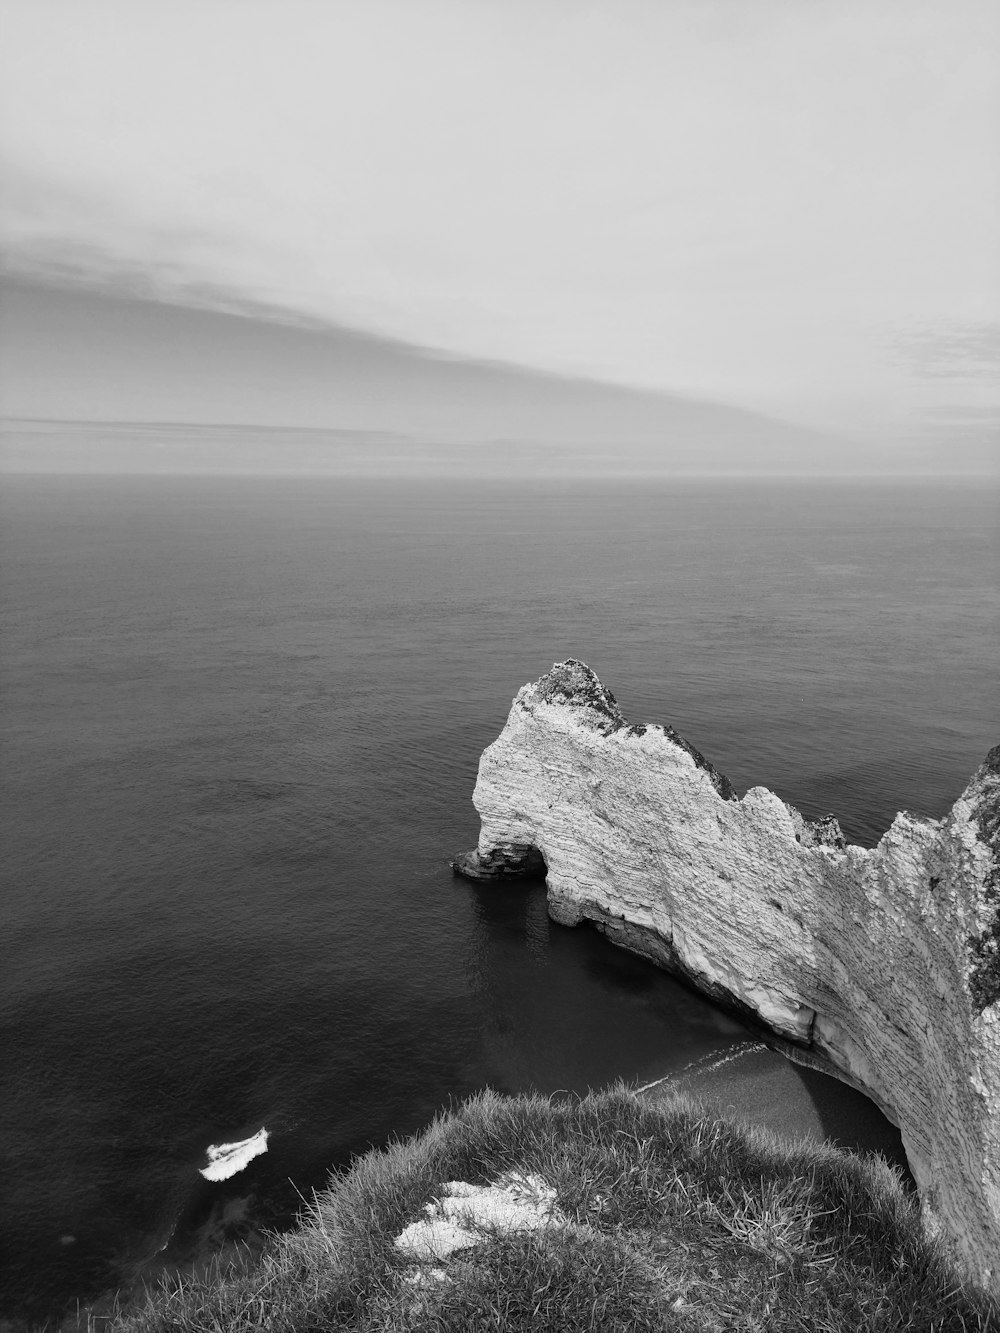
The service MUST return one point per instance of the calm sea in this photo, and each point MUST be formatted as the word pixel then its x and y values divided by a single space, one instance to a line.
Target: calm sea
pixel 241 725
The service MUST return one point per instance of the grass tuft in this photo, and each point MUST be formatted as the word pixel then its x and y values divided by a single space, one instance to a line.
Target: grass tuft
pixel 670 1220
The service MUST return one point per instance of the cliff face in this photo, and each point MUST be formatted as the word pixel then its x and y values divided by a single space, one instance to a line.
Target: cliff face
pixel 883 963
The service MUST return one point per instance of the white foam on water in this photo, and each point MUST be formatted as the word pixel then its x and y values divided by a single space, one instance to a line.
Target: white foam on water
pixel 225 1159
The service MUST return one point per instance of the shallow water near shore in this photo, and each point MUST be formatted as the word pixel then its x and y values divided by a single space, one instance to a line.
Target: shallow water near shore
pixel 241 725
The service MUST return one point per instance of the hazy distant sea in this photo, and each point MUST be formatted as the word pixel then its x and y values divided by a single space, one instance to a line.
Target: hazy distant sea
pixel 241 724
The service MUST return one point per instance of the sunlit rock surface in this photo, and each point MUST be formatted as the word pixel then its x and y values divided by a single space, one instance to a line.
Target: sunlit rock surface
pixel 464 1215
pixel 883 962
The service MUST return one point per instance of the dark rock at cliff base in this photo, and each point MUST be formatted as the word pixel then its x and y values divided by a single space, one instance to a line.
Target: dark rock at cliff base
pixel 501 863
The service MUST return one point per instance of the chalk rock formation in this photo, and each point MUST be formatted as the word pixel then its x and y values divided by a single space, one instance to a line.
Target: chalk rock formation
pixel 882 964
pixel 464 1215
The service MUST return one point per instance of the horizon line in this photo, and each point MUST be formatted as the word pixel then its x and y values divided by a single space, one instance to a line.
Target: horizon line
pixel 429 475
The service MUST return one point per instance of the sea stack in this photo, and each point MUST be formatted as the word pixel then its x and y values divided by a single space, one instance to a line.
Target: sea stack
pixel 882 964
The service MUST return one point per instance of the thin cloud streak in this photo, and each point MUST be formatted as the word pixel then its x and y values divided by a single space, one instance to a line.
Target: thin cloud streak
pixel 232 384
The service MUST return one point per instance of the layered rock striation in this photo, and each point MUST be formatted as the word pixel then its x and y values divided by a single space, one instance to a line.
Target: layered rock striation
pixel 883 965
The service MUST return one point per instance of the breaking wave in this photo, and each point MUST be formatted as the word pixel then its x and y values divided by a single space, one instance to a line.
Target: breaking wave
pixel 225 1159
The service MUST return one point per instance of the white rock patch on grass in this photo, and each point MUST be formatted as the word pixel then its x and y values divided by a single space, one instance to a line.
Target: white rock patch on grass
pixel 466 1214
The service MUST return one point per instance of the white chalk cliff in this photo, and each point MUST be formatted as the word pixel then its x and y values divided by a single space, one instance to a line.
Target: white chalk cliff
pixel 882 964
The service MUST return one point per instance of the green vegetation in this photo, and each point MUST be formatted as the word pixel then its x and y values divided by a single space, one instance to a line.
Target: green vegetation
pixel 573 682
pixel 984 980
pixel 674 1221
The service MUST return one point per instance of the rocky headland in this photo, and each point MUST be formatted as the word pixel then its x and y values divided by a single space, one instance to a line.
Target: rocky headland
pixel 881 966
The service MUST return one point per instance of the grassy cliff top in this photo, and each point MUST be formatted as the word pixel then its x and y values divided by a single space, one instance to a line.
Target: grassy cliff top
pixel 661 1218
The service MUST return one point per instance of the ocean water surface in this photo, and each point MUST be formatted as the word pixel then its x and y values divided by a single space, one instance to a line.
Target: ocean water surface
pixel 241 724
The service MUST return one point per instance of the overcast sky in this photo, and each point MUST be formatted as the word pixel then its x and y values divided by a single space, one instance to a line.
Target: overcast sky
pixel 790 205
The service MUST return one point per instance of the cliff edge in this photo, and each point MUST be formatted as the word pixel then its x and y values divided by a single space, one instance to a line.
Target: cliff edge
pixel 883 964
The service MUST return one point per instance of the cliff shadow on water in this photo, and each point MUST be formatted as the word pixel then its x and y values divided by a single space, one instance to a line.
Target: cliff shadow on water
pixel 734 1065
